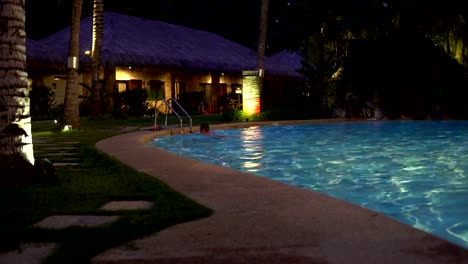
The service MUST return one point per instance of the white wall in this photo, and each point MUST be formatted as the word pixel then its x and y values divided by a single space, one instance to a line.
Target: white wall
pixel 58 85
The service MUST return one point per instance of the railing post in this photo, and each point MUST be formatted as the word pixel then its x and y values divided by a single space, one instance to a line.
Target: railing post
pixel 167 110
pixel 183 110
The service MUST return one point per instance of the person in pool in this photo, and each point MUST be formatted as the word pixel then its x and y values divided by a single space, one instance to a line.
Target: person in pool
pixel 205 130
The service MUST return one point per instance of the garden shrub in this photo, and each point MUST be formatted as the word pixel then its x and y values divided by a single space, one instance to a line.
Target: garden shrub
pixel 193 101
pixel 284 114
pixel 118 109
pixel 131 102
pixel 42 103
pixel 234 115
pixel 85 108
pixel 45 172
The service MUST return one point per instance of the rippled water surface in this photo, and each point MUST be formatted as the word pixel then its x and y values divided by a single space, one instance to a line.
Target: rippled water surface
pixel 415 172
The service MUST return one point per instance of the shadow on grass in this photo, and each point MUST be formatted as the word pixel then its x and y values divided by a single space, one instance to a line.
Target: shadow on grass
pixel 83 189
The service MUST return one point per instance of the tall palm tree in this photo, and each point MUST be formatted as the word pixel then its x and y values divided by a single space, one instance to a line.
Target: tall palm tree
pixel 71 115
pixel 16 148
pixel 98 32
pixel 262 44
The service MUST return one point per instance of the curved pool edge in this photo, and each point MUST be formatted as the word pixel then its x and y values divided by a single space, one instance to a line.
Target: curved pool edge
pixel 259 218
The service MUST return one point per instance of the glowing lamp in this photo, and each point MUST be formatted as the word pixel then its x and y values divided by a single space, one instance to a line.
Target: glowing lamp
pixel 251 106
pixel 250 92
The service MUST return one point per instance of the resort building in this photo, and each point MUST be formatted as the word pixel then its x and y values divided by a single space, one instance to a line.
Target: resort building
pixel 198 68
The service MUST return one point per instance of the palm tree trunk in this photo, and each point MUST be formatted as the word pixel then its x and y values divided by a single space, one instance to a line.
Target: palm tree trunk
pixel 448 42
pixel 16 148
pixel 262 46
pixel 109 85
pixel 98 32
pixel 71 116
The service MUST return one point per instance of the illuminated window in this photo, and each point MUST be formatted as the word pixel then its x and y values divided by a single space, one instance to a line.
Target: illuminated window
pixel 121 86
pixel 180 89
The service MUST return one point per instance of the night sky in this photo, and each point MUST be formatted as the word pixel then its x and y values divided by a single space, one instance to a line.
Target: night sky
pixel 237 20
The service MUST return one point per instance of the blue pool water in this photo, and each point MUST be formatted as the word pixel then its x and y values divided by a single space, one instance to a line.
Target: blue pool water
pixel 415 172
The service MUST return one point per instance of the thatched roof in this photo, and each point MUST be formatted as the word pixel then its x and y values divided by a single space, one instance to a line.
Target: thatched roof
pixel 133 41
pixel 41 58
pixel 291 58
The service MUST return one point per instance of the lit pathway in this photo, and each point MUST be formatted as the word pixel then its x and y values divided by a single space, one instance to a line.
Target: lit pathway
pixel 60 153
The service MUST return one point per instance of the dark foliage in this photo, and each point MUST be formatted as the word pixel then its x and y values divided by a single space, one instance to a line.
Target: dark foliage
pixel 193 102
pixel 45 172
pixel 42 103
pixel 130 103
pixel 85 103
pixel 16 171
pixel 13 130
pixel 281 114
pixel 407 73
pixel 233 115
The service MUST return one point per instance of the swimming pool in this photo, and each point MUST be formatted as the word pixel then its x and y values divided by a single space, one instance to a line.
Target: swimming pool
pixel 413 171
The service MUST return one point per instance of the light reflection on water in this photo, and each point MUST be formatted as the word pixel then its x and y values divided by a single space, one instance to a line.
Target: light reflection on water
pixel 251 142
pixel 415 172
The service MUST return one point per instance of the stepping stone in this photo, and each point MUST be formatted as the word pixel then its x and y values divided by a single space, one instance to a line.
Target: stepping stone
pixel 43 139
pixel 59 142
pixel 31 253
pixel 64 221
pixel 72 159
pixel 41 142
pixel 61 154
pixel 63 164
pixel 59 148
pixel 127 205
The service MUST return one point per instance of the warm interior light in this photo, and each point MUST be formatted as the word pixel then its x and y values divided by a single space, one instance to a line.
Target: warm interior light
pixel 87 52
pixel 124 74
pixel 59 77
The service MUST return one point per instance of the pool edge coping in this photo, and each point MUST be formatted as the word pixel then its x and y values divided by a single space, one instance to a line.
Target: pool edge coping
pixel 427 244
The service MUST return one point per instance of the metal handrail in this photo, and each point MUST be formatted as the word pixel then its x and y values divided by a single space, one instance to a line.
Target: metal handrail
pixel 166 102
pixel 185 112
pixel 167 105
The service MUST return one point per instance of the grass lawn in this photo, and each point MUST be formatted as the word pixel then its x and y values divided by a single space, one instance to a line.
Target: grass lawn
pixel 83 188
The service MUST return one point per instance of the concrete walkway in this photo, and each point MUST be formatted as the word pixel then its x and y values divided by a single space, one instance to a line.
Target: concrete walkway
pixel 258 220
